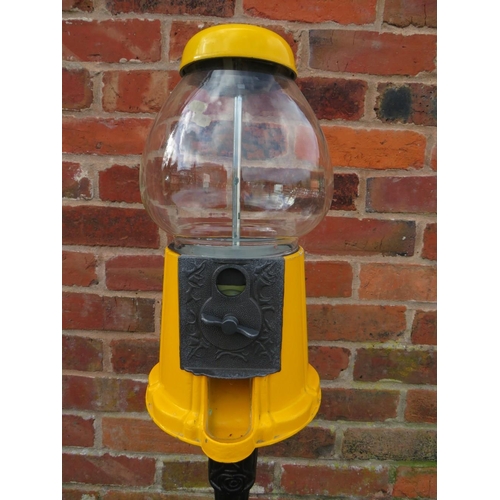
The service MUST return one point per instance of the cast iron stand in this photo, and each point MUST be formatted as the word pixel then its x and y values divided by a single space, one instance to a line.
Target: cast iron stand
pixel 233 481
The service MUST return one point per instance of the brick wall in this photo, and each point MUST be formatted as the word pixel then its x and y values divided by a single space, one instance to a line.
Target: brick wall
pixel 368 69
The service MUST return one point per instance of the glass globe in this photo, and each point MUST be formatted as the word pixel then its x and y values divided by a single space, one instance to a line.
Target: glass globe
pixel 236 159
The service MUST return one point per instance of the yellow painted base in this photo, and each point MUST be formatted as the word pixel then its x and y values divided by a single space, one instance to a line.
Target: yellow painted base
pixel 230 418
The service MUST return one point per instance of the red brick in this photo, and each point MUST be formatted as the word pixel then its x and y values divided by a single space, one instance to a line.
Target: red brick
pixel 415 482
pixel 120 183
pixel 83 311
pixel 329 361
pixel 148 495
pixel 434 158
pixel 358 405
pixel 389 444
pixel 350 236
pixel 401 194
pixel 81 353
pixel 328 279
pixel 311 442
pixel 134 355
pixel 372 52
pixel 76 493
pixel 109 226
pixel 322 480
pixel 103 394
pixel 135 272
pixel 429 250
pixel 424 329
pixel 409 367
pixel 104 136
pixel 136 91
pixel 219 8
pixel 108 469
pixel 75 184
pixel 421 406
pixel 397 282
pixel 355 323
pixel 376 149
pixel 76 89
pixel 334 98
pixel 403 13
pixel 77 431
pixel 409 103
pixel 111 40
pixel 345 192
pixel 137 435
pixel 77 5
pixel 79 269
pixel 314 11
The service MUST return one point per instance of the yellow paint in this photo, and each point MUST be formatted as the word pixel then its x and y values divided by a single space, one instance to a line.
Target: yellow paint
pixel 230 418
pixel 238 40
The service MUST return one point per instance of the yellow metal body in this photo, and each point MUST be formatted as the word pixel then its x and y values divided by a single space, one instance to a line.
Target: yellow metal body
pixel 238 40
pixel 230 418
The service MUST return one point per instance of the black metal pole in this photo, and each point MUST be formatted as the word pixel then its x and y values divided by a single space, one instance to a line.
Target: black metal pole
pixel 233 481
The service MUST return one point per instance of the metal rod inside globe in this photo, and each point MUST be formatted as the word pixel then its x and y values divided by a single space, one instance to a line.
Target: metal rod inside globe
pixel 236 182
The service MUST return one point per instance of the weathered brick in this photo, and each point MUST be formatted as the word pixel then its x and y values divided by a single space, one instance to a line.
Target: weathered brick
pixel 355 323
pixel 345 192
pixel 409 103
pixel 76 89
pixel 350 236
pixel 403 13
pixel 120 183
pixel 152 495
pixel 311 442
pixel 389 444
pixel 219 8
pixel 84 311
pixel 108 469
pixel 76 493
pixel 429 250
pixel 334 98
pixel 103 394
pixel 358 405
pixel 136 91
pixel 424 329
pixel 401 194
pixel 376 149
pixel 135 272
pixel 104 136
pixel 137 435
pixel 328 279
pixel 185 474
pixel 134 355
pixel 329 361
pixel 315 11
pixel 421 406
pixel 409 367
pixel 75 184
pixel 372 52
pixel 78 5
pixel 333 481
pixel 111 40
pixel 109 226
pixel 434 158
pixel 79 269
pixel 397 282
pixel 415 482
pixel 77 431
pixel 81 353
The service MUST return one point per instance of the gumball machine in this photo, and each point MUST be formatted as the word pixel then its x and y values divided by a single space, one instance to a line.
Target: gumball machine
pixel 235 170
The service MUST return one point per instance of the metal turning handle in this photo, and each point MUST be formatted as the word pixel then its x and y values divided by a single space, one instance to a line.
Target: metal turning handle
pixel 229 325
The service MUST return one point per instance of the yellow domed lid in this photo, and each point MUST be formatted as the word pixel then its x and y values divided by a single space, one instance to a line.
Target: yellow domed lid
pixel 238 40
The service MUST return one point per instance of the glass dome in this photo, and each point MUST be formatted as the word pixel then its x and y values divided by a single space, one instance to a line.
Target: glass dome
pixel 236 158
